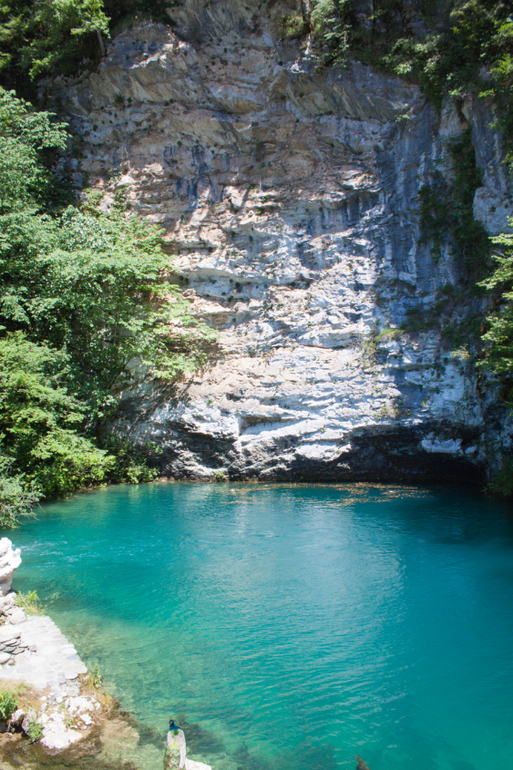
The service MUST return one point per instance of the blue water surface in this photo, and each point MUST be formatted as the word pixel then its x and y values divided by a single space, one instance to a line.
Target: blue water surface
pixel 292 626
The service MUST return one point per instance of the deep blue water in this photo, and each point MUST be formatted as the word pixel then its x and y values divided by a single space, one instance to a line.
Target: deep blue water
pixel 292 625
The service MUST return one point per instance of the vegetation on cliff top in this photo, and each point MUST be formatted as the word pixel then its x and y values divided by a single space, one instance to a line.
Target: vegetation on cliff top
pixel 444 45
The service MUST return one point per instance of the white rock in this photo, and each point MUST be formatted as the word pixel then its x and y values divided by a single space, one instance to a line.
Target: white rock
pixel 190 764
pixel 16 616
pixel 447 446
pixel 8 633
pixel 9 562
pixel 17 718
pixel 57 736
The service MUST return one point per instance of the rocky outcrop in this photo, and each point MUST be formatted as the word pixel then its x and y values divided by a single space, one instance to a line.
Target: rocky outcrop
pixel 290 199
pixel 33 651
pixel 9 562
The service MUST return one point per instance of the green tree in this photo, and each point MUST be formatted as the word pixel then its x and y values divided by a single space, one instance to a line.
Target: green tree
pixel 48 36
pixel 85 311
pixel 499 335
pixel 39 420
pixel 53 29
pixel 17 495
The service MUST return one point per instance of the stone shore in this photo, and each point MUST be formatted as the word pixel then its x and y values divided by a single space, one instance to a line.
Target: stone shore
pixel 61 701
pixel 34 651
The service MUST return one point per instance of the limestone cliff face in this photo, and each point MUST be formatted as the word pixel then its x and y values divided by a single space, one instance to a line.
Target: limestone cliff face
pixel 290 198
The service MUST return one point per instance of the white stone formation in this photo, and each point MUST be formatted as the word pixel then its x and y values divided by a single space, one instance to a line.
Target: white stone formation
pixel 9 562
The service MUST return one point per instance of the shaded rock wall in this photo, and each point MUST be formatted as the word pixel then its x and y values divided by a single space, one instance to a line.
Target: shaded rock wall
pixel 290 200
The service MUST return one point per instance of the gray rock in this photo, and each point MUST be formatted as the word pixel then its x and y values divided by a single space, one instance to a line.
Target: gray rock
pixel 308 260
pixel 8 633
pixel 9 562
pixel 17 718
pixel 16 616
pixel 4 658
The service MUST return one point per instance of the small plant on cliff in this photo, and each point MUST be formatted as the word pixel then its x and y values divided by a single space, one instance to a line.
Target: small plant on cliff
pixel 446 210
pixel 291 25
pixel 30 603
pixel 95 677
pixel 501 484
pixel 220 476
pixel 8 704
pixel 34 728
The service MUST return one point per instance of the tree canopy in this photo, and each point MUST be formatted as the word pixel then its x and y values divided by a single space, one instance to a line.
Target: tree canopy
pixel 84 310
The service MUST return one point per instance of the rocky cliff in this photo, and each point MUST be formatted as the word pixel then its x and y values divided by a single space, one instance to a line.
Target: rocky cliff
pixel 290 199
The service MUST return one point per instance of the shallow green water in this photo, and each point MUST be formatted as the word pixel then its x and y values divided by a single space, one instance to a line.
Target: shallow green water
pixel 292 625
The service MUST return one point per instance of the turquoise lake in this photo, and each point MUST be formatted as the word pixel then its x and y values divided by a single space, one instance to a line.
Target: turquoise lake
pixel 291 626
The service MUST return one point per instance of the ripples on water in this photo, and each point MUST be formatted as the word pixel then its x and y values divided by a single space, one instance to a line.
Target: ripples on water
pixel 292 626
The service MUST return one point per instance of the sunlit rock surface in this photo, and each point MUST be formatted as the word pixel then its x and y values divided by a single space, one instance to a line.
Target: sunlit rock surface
pixel 9 562
pixel 290 200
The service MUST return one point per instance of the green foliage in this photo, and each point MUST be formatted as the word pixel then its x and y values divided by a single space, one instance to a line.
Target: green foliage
pixel 48 36
pixel 220 476
pixel 333 22
pixel 131 462
pixel 441 45
pixel 502 483
pixel 30 603
pixel 95 677
pixel 8 704
pixel 85 311
pixel 291 25
pixel 39 420
pixel 388 334
pixel 53 29
pixel 471 240
pixel 52 37
pixel 435 216
pixel 446 210
pixel 122 11
pixel 499 334
pixel 34 730
pixel 27 139
pixel 18 496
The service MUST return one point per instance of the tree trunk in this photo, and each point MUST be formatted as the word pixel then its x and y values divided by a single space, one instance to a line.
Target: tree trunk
pixel 305 12
pixel 100 40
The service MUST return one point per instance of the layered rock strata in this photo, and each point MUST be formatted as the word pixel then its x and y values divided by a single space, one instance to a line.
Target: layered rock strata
pixel 289 195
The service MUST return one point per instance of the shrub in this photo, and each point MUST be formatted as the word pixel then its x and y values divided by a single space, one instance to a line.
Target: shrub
pixel 8 704
pixel 34 729
pixel 30 603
